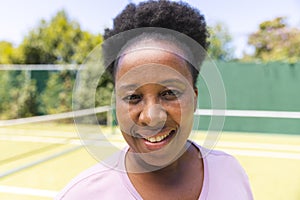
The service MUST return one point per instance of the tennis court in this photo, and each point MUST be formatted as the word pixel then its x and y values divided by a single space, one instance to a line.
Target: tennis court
pixel 39 159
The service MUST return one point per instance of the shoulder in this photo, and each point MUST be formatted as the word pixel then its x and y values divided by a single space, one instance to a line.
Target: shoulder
pixel 101 180
pixel 84 184
pixel 224 177
pixel 225 167
pixel 216 157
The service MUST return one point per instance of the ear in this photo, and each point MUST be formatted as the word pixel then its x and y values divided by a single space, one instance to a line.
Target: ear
pixel 195 98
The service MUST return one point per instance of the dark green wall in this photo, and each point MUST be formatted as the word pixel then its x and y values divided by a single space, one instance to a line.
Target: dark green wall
pixel 249 86
pixel 254 86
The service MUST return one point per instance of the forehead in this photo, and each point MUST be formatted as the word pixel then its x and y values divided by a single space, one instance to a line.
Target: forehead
pixel 151 65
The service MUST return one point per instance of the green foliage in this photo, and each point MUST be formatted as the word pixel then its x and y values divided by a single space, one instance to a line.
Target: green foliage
pixel 18 95
pixel 9 54
pixel 59 41
pixel 220 43
pixel 6 51
pixel 103 96
pixel 275 41
pixel 57 97
pixel 3 92
pixel 95 87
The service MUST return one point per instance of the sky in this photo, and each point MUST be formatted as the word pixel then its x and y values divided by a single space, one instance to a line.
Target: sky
pixel 242 17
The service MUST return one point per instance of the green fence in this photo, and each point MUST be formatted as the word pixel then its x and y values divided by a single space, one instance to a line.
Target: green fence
pixel 254 86
pixel 249 86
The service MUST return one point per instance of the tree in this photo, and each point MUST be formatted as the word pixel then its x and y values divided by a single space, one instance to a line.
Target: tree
pixel 8 53
pixel 62 42
pixel 18 92
pixel 57 96
pixel 95 86
pixel 221 47
pixel 275 41
pixel 18 95
pixel 59 41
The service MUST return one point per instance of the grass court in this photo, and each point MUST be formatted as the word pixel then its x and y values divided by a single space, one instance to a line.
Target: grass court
pixel 38 160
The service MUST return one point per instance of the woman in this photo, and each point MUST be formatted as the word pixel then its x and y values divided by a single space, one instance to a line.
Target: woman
pixel 155 77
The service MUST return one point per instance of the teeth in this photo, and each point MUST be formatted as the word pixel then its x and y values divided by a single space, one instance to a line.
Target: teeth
pixel 157 138
pixel 152 139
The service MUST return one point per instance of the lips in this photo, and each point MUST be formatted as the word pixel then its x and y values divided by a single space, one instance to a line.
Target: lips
pixel 157 138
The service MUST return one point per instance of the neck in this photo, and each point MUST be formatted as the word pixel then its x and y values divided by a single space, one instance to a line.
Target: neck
pixel 171 172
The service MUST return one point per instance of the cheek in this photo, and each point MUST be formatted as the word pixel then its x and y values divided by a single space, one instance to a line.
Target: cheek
pixel 187 115
pixel 125 116
pixel 187 111
pixel 181 111
pixel 174 111
pixel 122 113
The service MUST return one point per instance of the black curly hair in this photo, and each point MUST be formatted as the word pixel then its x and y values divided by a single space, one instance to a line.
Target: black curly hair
pixel 176 16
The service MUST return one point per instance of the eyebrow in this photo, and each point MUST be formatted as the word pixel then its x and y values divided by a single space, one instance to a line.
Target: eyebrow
pixel 176 81
pixel 128 87
pixel 167 82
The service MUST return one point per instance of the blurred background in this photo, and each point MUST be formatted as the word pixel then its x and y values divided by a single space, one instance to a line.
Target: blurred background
pixel 255 45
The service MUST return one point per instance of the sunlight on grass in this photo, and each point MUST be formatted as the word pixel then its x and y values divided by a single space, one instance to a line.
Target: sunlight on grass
pixel 270 178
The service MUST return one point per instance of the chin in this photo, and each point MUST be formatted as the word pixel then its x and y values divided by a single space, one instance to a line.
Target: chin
pixel 155 160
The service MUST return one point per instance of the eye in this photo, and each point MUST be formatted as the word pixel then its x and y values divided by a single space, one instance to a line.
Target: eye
pixel 171 94
pixel 132 98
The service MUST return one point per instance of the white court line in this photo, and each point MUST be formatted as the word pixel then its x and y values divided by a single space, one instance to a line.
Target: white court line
pixel 249 145
pixel 36 162
pixel 22 138
pixel 46 118
pixel 248 113
pixel 52 194
pixel 27 191
pixel 103 138
pixel 41 67
pixel 268 154
pixel 99 141
pixel 203 112
pixel 236 148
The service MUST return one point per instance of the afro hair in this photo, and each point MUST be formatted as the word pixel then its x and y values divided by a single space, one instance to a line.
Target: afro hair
pixel 176 16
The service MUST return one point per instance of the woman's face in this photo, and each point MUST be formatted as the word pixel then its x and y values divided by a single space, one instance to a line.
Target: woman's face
pixel 155 103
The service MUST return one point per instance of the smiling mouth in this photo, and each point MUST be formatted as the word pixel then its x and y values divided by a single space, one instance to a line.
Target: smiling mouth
pixel 157 139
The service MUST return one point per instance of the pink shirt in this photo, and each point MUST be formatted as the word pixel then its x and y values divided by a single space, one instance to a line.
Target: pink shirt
pixel 224 179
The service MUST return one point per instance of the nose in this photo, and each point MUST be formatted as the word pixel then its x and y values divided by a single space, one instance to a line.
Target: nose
pixel 153 115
